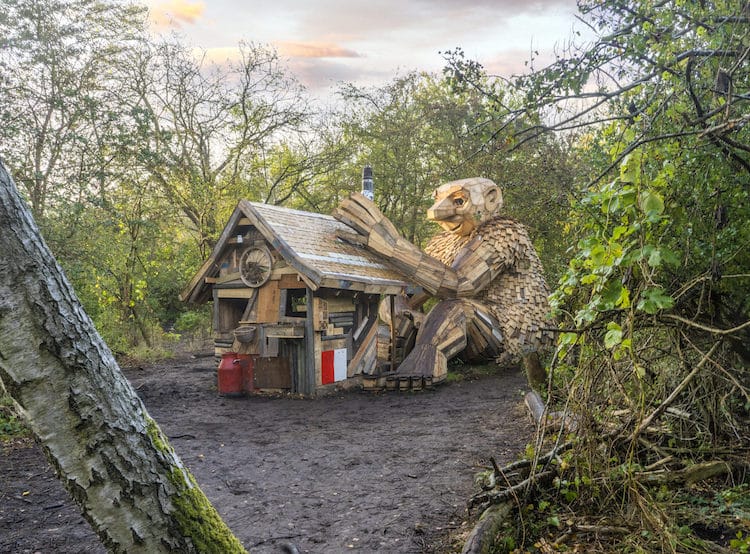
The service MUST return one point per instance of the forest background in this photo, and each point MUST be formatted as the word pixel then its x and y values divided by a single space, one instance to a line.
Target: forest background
pixel 628 158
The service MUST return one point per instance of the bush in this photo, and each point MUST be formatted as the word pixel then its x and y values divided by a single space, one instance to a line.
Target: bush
pixel 194 321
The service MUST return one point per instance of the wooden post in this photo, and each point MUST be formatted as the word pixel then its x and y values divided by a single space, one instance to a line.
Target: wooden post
pixel 308 384
pixel 393 332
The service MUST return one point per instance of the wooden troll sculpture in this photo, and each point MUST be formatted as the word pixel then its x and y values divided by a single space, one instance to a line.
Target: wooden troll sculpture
pixel 483 269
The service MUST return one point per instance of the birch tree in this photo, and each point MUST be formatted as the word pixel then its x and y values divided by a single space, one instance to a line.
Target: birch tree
pixel 110 455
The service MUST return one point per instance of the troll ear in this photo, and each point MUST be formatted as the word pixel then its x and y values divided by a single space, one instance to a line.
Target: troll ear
pixel 493 199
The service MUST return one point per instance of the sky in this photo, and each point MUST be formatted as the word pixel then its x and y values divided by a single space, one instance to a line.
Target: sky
pixel 368 43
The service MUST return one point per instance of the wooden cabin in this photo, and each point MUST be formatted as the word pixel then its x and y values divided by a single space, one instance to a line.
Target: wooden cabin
pixel 301 302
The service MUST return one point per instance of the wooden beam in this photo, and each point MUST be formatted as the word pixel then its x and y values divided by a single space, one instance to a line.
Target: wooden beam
pixel 234 293
pixel 308 383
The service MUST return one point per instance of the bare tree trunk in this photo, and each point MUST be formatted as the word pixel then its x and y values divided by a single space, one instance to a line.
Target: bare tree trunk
pixel 110 455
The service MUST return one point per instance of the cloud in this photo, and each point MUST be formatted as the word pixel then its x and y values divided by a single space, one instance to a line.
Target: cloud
pixel 220 55
pixel 174 13
pixel 343 19
pixel 318 74
pixel 509 7
pixel 314 50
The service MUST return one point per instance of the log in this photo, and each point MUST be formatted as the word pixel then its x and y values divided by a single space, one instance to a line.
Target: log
pixel 481 540
pixel 538 411
pixel 535 405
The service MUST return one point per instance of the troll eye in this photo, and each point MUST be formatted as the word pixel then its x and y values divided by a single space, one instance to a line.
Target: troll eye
pixel 458 201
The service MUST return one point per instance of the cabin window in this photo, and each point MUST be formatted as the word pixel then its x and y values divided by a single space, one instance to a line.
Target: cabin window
pixel 296 303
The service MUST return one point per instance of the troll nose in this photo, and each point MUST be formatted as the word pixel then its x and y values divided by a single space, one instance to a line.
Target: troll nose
pixel 440 210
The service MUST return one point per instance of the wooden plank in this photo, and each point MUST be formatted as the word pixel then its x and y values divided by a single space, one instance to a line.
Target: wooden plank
pixel 407 255
pixel 268 346
pixel 363 360
pixel 288 278
pixel 284 331
pixel 340 304
pixel 279 272
pixel 382 246
pixel 341 319
pixel 247 314
pixel 320 309
pixel 215 318
pixel 268 303
pixel 234 276
pixel 272 373
pixel 358 331
pixel 235 293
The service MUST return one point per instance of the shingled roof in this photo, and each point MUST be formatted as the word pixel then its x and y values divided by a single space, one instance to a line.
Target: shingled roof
pixel 308 243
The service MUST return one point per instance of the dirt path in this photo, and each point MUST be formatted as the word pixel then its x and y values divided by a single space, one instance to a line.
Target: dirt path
pixel 384 473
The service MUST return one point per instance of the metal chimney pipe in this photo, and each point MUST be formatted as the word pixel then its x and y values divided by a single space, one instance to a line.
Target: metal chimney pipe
pixel 368 187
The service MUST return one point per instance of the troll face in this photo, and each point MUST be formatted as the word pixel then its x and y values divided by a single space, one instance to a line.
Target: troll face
pixel 460 206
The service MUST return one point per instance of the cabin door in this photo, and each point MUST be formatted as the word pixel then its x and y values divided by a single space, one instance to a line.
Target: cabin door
pixel 294 351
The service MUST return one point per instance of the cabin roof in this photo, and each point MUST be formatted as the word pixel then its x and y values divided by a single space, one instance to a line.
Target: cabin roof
pixel 308 242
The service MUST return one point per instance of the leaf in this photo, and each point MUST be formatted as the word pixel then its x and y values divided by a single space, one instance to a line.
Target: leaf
pixel 568 338
pixel 619 231
pixel 654 259
pixel 651 203
pixel 615 295
pixel 622 349
pixel 590 278
pixel 653 300
pixel 613 336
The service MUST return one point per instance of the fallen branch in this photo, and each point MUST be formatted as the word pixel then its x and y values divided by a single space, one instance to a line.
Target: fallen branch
pixel 689 475
pixel 708 329
pixel 600 529
pixel 489 498
pixel 482 537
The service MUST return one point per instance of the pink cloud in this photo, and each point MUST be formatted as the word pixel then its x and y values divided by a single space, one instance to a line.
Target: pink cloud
pixel 314 50
pixel 175 13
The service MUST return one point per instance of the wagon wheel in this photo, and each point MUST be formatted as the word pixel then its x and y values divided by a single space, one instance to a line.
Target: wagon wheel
pixel 255 266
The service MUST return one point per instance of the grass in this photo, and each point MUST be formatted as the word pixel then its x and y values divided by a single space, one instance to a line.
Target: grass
pixel 459 371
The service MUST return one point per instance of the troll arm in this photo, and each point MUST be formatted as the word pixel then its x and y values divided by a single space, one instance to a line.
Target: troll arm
pixel 474 268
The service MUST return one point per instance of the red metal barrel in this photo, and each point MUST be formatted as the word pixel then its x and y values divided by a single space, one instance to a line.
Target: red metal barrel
pixel 230 375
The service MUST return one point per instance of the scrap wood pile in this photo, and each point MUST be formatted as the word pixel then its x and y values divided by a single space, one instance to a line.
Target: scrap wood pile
pixel 604 480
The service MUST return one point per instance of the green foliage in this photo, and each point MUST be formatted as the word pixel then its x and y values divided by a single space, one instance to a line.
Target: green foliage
pixel 653 301
pixel 193 320
pixel 11 425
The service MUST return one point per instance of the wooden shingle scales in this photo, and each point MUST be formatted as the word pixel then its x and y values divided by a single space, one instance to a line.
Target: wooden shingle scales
pixel 483 269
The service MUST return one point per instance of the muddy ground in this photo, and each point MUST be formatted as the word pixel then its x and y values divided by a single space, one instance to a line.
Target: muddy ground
pixel 377 473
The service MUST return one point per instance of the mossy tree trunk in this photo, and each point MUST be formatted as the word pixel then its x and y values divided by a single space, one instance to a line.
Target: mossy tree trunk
pixel 110 455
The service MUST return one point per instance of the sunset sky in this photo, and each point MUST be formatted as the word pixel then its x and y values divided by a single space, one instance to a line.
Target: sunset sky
pixel 324 42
